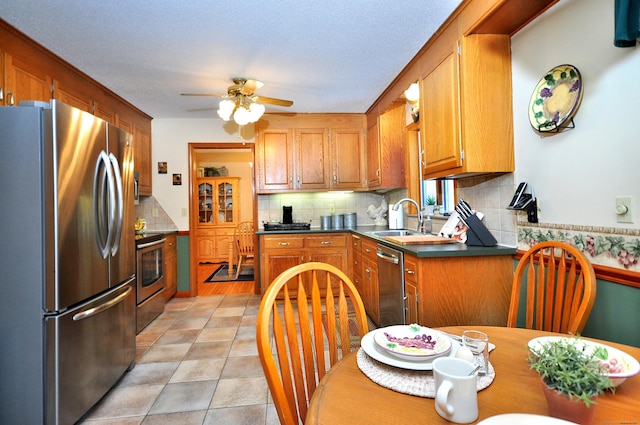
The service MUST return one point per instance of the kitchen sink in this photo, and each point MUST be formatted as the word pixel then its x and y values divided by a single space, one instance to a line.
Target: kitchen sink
pixel 383 233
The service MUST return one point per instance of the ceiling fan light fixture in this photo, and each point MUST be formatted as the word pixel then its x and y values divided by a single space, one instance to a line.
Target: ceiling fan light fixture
pixel 255 111
pixel 242 116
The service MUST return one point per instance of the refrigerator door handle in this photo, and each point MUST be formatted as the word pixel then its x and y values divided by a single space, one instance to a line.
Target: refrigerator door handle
pixel 102 307
pixel 119 207
pixel 100 198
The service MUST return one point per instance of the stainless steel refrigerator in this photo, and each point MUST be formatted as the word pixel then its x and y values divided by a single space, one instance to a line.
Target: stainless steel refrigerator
pixel 67 294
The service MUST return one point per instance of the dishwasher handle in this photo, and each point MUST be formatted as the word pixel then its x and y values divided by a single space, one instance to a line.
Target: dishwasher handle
pixel 385 256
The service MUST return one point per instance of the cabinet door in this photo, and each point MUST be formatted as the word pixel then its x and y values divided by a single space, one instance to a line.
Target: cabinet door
pixel 277 261
pixel 170 267
pixel 206 246
pixel 370 291
pixel 274 160
pixel 392 146
pixel 411 278
pixel 440 116
pixel 347 158
pixel 142 159
pixel 71 96
pixel 25 82
pixel 226 207
pixel 373 155
pixel 311 161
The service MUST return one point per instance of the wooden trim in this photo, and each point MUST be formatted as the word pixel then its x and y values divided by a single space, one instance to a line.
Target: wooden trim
pixel 610 274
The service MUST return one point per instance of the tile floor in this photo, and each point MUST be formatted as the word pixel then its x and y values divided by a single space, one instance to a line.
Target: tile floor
pixel 197 363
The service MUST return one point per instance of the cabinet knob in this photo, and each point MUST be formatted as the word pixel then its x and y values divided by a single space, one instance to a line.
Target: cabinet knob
pixel 409 271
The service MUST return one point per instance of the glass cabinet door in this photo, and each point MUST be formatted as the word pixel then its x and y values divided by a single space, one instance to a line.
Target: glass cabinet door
pixel 205 203
pixel 225 202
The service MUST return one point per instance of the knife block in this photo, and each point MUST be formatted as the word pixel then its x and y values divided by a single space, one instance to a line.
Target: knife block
pixel 478 234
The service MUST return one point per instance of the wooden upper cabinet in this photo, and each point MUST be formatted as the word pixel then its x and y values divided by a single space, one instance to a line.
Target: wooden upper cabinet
pixel 309 152
pixel 386 149
pixel 311 158
pixel 348 158
pixel 373 152
pixel 142 157
pixel 274 160
pixel 460 99
pixel 440 116
pixel 25 81
pixel 70 96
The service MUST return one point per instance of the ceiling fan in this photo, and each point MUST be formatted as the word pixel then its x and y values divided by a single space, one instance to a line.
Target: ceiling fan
pixel 241 102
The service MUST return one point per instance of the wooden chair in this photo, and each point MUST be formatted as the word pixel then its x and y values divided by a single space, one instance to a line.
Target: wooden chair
pixel 301 320
pixel 243 237
pixel 560 288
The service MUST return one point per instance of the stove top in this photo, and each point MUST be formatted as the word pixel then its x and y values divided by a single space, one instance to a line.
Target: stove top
pixel 287 226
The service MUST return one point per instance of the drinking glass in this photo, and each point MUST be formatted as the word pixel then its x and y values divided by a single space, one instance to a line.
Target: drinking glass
pixel 478 343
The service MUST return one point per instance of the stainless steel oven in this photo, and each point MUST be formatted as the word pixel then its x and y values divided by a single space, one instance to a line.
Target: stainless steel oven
pixel 150 284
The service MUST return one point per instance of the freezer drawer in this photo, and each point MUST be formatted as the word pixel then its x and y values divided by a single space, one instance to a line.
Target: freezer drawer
pixel 88 349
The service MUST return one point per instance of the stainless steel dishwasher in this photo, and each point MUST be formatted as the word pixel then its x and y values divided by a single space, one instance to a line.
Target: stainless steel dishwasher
pixel 391 285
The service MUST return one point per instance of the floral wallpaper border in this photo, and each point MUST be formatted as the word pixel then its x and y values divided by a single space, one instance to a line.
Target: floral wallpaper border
pixel 613 247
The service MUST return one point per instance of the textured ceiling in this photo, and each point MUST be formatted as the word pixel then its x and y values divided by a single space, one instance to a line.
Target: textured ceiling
pixel 325 55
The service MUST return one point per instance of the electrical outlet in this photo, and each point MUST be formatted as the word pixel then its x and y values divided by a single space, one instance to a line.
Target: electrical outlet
pixel 154 212
pixel 332 208
pixel 185 212
pixel 624 209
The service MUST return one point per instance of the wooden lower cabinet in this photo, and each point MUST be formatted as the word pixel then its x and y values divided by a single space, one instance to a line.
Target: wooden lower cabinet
pixel 170 266
pixel 355 258
pixel 212 245
pixel 281 252
pixel 461 290
pixel 410 289
pixel 370 288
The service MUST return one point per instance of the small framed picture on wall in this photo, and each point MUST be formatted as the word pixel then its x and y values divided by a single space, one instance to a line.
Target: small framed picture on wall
pixel 162 168
pixel 177 179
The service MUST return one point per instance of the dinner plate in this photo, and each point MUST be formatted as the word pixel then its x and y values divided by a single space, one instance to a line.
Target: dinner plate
pixel 523 419
pixel 371 348
pixel 412 342
pixel 620 364
pixel 556 98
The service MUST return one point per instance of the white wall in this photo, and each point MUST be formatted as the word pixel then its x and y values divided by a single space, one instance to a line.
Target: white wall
pixel 578 173
pixel 171 138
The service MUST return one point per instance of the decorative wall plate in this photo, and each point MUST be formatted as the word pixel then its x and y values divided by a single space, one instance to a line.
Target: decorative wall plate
pixel 556 99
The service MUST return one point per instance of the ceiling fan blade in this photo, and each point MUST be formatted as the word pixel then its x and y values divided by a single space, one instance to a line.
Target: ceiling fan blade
pixel 272 101
pixel 250 87
pixel 204 94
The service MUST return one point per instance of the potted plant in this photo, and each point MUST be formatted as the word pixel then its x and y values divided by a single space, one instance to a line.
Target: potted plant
pixel 431 204
pixel 572 378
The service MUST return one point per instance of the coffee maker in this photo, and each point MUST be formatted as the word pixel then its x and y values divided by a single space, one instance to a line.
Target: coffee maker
pixel 287 215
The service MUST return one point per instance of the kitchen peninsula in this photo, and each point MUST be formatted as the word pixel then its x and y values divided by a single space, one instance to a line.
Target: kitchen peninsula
pixel 444 284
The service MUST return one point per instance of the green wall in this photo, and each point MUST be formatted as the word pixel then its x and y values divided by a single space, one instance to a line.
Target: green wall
pixel 183 263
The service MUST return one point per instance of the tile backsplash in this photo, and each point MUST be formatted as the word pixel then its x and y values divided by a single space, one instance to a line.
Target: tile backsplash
pixel 155 222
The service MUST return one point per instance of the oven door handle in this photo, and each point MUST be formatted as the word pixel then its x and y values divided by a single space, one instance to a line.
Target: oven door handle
pixel 148 244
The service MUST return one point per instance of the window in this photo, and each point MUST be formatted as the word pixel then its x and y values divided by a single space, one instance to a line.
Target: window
pixel 441 189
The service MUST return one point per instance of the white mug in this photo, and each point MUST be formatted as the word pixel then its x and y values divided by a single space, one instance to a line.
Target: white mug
pixel 456 390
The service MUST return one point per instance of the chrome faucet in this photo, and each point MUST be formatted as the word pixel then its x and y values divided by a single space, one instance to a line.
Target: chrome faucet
pixel 421 228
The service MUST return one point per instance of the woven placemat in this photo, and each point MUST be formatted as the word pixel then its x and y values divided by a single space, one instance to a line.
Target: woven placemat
pixel 412 382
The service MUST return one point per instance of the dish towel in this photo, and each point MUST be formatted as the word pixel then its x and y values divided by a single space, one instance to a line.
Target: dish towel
pixel 413 382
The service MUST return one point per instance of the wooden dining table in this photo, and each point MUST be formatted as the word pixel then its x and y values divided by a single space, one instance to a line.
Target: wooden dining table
pixel 347 396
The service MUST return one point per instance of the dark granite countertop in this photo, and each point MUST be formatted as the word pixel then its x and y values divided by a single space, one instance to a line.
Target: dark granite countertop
pixel 422 251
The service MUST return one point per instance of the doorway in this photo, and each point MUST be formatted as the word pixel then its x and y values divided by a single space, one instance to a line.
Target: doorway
pixel 209 243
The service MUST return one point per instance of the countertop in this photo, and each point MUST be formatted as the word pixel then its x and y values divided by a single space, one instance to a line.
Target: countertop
pixel 153 235
pixel 421 251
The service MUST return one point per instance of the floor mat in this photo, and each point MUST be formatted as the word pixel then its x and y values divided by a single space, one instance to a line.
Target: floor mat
pixel 222 274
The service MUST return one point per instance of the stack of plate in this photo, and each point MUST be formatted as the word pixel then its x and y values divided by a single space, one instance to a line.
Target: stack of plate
pixel 411 347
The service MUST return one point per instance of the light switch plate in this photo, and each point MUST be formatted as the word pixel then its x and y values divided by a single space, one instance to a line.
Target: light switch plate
pixel 621 202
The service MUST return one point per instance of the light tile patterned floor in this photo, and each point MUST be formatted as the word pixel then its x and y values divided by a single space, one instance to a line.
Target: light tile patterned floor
pixel 195 364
